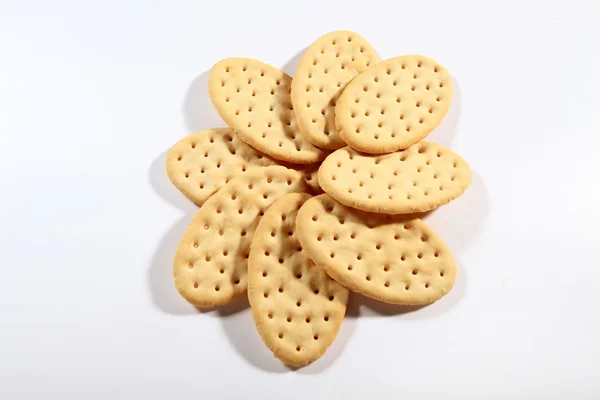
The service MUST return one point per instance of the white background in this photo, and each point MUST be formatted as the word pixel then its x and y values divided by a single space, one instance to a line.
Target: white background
pixel 91 98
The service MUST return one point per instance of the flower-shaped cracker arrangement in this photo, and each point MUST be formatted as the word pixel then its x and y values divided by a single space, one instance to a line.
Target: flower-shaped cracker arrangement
pixel 346 125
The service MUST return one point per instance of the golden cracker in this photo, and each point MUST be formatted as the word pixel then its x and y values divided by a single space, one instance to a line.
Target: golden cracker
pixel 210 266
pixel 199 164
pixel 395 259
pixel 254 99
pixel 325 69
pixel 297 307
pixel 418 179
pixel 394 104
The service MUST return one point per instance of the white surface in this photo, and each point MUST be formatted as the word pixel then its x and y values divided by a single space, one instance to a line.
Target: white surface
pixel 91 97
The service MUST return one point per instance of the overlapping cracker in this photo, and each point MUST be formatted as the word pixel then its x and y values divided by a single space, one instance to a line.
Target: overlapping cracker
pixel 326 67
pixel 420 178
pixel 395 259
pixel 210 266
pixel 297 307
pixel 394 104
pixel 254 99
pixel 199 164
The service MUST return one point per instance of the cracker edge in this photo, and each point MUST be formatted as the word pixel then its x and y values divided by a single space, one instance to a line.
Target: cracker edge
pixel 305 64
pixel 344 104
pixel 306 243
pixel 250 140
pixel 327 186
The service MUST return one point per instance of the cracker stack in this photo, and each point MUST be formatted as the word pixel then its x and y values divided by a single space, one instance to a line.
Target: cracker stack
pixel 355 123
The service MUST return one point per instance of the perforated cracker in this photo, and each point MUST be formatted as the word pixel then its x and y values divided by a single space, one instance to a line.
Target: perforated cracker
pixel 394 104
pixel 297 307
pixel 420 178
pixel 254 99
pixel 210 266
pixel 395 259
pixel 326 67
pixel 199 164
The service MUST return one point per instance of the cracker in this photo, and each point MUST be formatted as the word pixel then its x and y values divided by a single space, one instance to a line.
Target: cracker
pixel 210 266
pixel 325 69
pixel 394 104
pixel 420 178
pixel 254 99
pixel 297 307
pixel 310 174
pixel 199 164
pixel 395 259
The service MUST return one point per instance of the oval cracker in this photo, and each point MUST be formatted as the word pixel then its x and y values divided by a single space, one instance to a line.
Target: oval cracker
pixel 254 99
pixel 418 179
pixel 395 259
pixel 199 164
pixel 210 266
pixel 297 307
pixel 394 104
pixel 325 69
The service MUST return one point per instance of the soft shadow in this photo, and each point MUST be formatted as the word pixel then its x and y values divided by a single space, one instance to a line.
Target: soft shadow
pixel 446 131
pixel 198 111
pixel 290 66
pixel 165 189
pixel 160 274
pixel 239 328
pixel 460 221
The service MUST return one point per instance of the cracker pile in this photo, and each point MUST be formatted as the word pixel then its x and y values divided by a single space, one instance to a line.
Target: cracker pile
pixel 311 192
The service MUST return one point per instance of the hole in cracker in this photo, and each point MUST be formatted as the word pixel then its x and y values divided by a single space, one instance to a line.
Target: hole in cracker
pixel 298 276
pixel 368 277
pixel 195 285
pixel 280 335
pixel 297 348
pixel 270 315
pixel 266 295
pixel 289 319
pixel 442 274
pixel 326 318
pixel 426 285
pixel 359 257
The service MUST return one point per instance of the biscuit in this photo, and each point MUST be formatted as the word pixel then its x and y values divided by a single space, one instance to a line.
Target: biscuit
pixel 297 307
pixel 210 266
pixel 199 164
pixel 394 104
pixel 395 259
pixel 418 179
pixel 326 67
pixel 254 99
